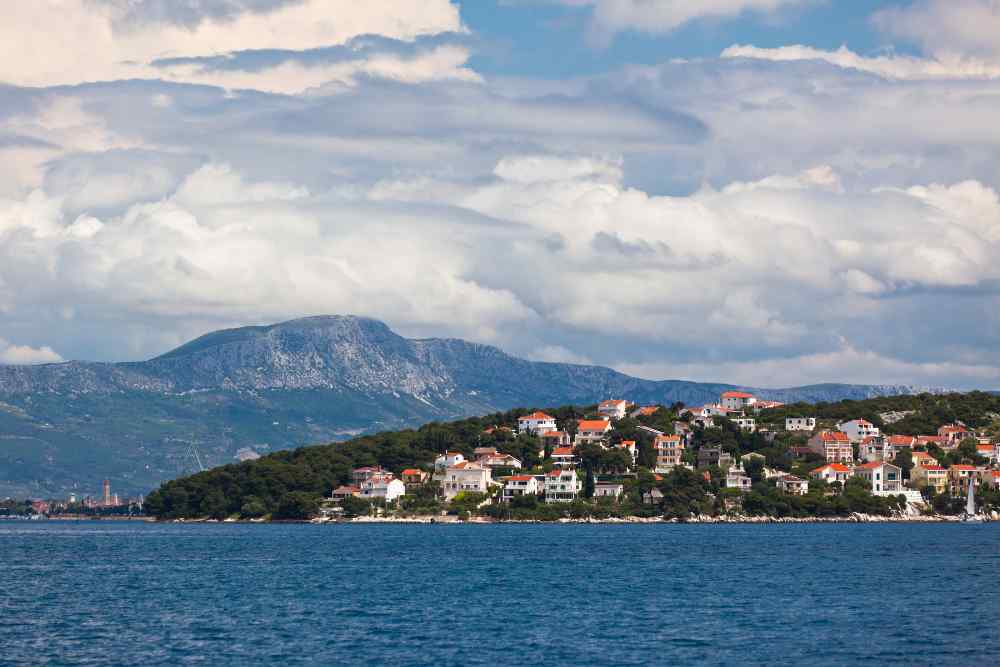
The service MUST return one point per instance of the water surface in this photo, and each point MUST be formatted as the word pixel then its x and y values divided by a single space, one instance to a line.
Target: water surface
pixel 97 593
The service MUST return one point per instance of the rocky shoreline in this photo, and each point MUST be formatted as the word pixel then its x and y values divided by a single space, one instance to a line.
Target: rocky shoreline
pixel 738 519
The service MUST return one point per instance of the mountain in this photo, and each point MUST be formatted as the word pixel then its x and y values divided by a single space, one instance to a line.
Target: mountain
pixel 65 427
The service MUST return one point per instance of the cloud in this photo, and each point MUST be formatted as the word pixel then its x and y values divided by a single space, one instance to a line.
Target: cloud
pixel 663 16
pixel 946 28
pixel 24 354
pixel 56 42
pixel 892 66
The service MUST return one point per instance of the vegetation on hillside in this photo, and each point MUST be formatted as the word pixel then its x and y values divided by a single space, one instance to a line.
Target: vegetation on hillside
pixel 291 484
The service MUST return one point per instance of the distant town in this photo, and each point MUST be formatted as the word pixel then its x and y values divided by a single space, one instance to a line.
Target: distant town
pixel 738 457
pixel 107 504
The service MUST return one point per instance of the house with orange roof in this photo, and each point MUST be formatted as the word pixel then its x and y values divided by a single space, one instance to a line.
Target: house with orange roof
pixel 991 478
pixel 613 409
pixel 792 485
pixel 937 440
pixel 592 431
pixel 465 477
pixel 990 452
pixel 382 487
pixel 564 457
pixel 448 459
pixel 646 411
pixel 556 439
pixel 926 474
pixel 669 452
pixel 499 460
pixel 345 491
pixel 519 485
pixel 536 423
pixel 831 472
pixel 562 485
pixel 872 448
pixel 414 476
pixel 364 473
pixel 630 447
pixel 955 433
pixel 958 478
pixel 834 446
pixel 737 401
pixel 922 458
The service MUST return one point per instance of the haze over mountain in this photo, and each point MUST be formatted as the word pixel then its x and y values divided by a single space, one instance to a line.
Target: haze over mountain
pixel 67 426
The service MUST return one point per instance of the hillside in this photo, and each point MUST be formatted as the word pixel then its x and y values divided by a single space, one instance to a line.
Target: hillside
pixel 67 426
pixel 260 487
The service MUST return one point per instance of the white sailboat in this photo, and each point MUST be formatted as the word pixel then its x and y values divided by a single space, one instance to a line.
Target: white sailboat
pixel 970 503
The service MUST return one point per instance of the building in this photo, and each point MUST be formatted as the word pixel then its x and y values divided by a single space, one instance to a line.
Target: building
pixel 922 459
pixel 382 487
pixel 652 497
pixel 669 451
pixel 519 485
pixel 646 411
pixel 881 477
pixel 954 434
pixel 800 423
pixel 465 476
pixel 858 429
pixel 744 422
pixel 736 478
pixel 414 476
pixel 872 448
pixel 345 491
pixel 591 431
pixel 834 446
pixel 737 401
pixel 714 456
pixel 958 478
pixel 447 460
pixel 990 452
pixel 609 490
pixel 564 457
pixel 562 485
pixel 929 474
pixel 553 439
pixel 498 460
pixel 831 472
pixel 895 444
pixel 536 423
pixel 630 447
pixel 793 485
pixel 936 440
pixel 614 409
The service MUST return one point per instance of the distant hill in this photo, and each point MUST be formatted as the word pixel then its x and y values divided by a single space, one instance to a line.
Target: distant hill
pixel 67 426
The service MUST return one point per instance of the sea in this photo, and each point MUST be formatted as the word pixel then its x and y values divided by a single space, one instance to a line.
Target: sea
pixel 130 593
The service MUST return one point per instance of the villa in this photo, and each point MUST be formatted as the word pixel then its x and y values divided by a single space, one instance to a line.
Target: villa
pixel 591 431
pixel 614 409
pixel 832 472
pixel 881 477
pixel 792 485
pixel 519 485
pixel 834 446
pixel 465 476
pixel 562 486
pixel 536 423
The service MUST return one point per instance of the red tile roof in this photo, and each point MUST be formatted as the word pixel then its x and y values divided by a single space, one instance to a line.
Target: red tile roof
pixel 834 436
pixel 736 394
pixel 836 467
pixel 537 416
pixel 412 471
pixel 592 425
pixel 521 478
pixel 562 451
pixel 553 434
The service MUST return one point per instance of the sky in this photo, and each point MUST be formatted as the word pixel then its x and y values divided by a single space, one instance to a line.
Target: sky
pixel 763 192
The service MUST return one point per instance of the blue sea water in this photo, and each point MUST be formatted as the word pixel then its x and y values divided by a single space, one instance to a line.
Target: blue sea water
pixel 103 593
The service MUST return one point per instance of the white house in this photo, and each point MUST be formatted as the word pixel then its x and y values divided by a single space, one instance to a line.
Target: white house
pixel 536 423
pixel 745 423
pixel 858 429
pixel 519 485
pixel 881 477
pixel 382 487
pixel 556 439
pixel 448 459
pixel 800 423
pixel 630 447
pixel 737 400
pixel 562 486
pixel 793 485
pixel 832 472
pixel 498 460
pixel 609 490
pixel 614 409
pixel 736 478
pixel 563 457
pixel 465 476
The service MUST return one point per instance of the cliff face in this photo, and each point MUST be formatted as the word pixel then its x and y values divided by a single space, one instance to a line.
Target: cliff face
pixel 300 382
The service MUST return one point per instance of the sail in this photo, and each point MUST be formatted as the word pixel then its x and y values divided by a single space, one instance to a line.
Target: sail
pixel 970 503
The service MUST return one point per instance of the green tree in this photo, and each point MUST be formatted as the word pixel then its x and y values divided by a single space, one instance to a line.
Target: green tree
pixel 904 459
pixel 297 505
pixel 588 484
